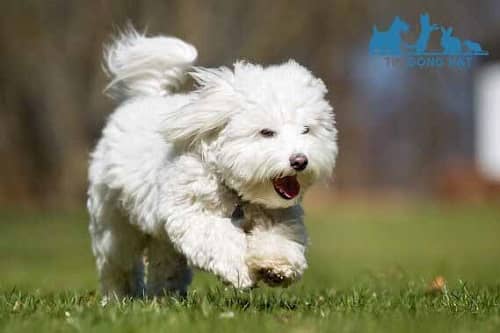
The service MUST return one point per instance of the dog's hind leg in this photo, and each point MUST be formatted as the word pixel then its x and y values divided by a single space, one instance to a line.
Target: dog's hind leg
pixel 118 248
pixel 167 271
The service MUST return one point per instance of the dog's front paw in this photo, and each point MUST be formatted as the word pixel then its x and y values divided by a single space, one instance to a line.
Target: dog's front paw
pixel 275 257
pixel 276 272
pixel 275 276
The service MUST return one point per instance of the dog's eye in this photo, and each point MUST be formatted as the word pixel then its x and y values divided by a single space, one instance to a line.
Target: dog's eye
pixel 268 133
pixel 306 130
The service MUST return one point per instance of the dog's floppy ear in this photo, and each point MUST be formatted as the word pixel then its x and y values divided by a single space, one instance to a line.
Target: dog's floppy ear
pixel 210 109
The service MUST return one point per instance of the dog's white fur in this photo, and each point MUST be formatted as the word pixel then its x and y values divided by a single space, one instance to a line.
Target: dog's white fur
pixel 171 170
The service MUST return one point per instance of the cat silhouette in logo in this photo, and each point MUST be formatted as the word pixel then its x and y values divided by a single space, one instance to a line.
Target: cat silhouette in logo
pixel 425 33
pixel 473 47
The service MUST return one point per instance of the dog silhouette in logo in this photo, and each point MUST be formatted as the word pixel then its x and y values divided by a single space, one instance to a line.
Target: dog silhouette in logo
pixel 473 47
pixel 388 42
pixel 425 33
pixel 449 43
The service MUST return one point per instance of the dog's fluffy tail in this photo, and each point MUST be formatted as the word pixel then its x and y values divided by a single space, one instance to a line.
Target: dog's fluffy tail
pixel 146 66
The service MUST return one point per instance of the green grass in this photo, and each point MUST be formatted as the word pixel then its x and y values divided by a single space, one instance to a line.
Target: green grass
pixel 370 267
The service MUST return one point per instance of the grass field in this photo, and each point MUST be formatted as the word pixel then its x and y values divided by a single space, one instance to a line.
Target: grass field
pixel 370 267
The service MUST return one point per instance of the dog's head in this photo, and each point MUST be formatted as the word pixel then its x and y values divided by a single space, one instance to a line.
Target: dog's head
pixel 269 132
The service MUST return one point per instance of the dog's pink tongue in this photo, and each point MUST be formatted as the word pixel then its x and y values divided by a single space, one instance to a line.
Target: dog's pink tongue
pixel 288 187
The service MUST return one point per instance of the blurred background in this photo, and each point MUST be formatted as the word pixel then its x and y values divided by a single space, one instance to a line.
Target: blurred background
pixel 408 131
pixel 429 136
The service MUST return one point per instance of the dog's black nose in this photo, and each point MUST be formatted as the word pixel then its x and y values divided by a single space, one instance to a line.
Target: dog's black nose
pixel 298 161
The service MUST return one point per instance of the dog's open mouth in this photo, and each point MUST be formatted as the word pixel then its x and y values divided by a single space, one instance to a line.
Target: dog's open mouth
pixel 287 187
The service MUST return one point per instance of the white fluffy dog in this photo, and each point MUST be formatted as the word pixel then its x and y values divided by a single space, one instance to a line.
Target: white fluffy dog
pixel 211 179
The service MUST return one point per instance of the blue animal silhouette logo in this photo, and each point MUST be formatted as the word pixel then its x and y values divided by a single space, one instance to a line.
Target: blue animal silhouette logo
pixel 474 47
pixel 391 43
pixel 449 43
pixel 425 33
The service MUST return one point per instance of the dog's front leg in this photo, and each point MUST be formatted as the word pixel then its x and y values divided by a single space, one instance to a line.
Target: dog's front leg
pixel 213 244
pixel 277 241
